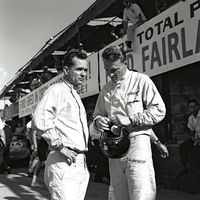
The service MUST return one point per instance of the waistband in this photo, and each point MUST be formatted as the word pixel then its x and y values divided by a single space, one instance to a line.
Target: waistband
pixel 141 134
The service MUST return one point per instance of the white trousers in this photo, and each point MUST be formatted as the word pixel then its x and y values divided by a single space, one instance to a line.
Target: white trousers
pixel 64 181
pixel 131 31
pixel 132 176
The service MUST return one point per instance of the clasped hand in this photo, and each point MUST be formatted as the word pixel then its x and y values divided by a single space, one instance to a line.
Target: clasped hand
pixel 69 154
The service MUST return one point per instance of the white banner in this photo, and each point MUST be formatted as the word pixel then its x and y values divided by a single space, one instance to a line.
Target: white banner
pixel 28 103
pixel 91 85
pixel 168 41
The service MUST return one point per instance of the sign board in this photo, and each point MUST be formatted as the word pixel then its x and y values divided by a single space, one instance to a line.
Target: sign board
pixel 168 41
pixel 28 103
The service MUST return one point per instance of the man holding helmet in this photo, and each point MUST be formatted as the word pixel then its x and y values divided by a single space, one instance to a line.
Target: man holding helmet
pixel 130 99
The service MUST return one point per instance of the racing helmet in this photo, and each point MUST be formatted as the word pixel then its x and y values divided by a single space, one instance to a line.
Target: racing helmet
pixel 115 142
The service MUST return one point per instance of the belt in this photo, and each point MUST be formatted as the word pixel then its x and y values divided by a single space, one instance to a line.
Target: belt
pixel 77 150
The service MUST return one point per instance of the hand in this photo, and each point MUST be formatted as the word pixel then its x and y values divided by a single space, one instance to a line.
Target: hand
pixel 69 154
pixel 102 123
pixel 121 120
pixel 94 133
pixel 163 150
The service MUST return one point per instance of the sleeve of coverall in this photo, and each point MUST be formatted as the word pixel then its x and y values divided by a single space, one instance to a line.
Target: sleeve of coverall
pixel 44 116
pixel 154 110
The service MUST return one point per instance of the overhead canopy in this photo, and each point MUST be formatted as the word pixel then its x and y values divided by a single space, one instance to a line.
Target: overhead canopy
pixel 93 38
pixel 69 35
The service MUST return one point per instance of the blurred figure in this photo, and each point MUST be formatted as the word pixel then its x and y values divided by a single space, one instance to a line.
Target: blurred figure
pixel 35 82
pixel 134 14
pixel 19 129
pixel 39 151
pixel 46 75
pixel 5 139
pixel 189 150
pixel 161 5
pixel 58 57
pixel 2 145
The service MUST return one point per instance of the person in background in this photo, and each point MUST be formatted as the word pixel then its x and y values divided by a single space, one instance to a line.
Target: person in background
pixel 41 152
pixel 189 150
pixel 161 5
pixel 58 57
pixel 33 155
pixel 5 139
pixel 19 129
pixel 60 118
pixel 2 145
pixel 46 75
pixel 133 13
pixel 130 99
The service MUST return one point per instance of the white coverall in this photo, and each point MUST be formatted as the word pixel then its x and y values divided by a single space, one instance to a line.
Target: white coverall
pixel 134 95
pixel 61 117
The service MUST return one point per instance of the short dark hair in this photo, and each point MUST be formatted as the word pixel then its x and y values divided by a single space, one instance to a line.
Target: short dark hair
pixel 193 101
pixel 114 53
pixel 67 60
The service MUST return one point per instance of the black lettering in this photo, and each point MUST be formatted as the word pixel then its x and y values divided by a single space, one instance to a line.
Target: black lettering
pixel 186 52
pixel 144 57
pixel 173 46
pixel 89 70
pixel 193 7
pixel 167 23
pixel 149 33
pixel 158 25
pixel 197 49
pixel 140 36
pixel 155 56
pixel 164 51
pixel 176 20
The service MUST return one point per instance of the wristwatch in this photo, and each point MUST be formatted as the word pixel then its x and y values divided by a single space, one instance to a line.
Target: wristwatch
pixel 157 142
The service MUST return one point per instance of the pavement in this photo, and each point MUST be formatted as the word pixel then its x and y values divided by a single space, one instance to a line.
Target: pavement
pixel 16 186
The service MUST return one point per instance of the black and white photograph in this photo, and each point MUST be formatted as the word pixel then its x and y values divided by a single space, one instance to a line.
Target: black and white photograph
pixel 99 100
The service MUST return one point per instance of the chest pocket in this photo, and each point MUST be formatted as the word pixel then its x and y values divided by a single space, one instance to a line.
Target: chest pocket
pixel 133 98
pixel 134 103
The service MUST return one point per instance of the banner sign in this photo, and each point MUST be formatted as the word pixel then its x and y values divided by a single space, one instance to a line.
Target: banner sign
pixel 28 103
pixel 11 111
pixel 168 41
pixel 91 85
